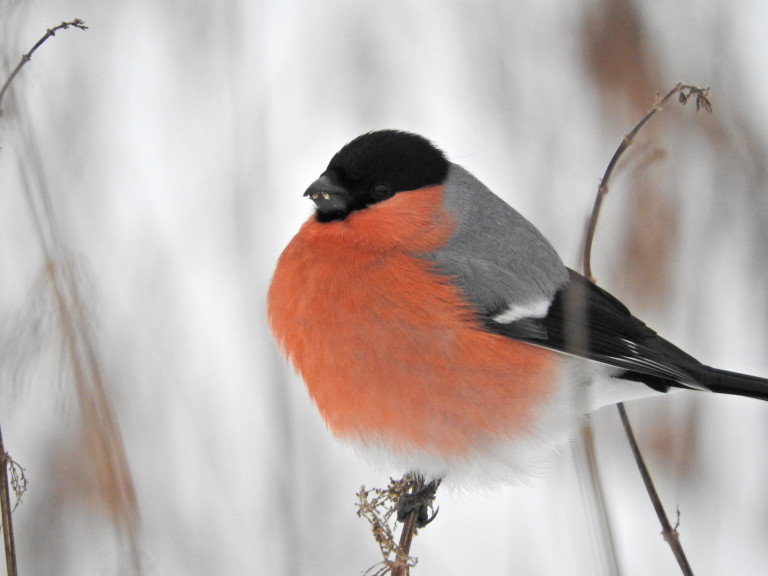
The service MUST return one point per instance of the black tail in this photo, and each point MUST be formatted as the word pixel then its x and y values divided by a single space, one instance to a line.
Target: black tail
pixel 725 382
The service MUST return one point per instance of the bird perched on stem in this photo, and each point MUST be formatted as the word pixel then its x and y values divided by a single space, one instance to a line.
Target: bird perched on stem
pixel 439 332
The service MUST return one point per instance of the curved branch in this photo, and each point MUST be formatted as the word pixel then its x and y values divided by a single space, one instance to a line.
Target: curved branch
pixel 76 23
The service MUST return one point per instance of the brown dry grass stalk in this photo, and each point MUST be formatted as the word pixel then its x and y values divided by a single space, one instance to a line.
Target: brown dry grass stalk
pixel 5 460
pixel 104 454
pixel 5 512
pixel 379 507
pixel 104 449
pixel 685 92
pixel 17 482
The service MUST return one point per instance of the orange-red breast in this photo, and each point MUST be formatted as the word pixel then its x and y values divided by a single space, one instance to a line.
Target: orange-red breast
pixel 437 330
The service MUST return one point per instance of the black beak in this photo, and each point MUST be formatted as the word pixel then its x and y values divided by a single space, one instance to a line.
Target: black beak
pixel 328 196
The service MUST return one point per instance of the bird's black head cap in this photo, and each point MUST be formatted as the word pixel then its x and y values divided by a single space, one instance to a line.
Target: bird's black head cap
pixel 374 167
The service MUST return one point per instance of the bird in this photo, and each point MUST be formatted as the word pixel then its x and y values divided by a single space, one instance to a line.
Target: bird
pixel 439 333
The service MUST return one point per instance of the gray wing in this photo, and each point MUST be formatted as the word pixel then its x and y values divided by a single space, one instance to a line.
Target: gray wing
pixel 500 260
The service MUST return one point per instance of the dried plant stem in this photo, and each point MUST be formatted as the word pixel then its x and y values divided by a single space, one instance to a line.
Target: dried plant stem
pixel 12 479
pixel 668 532
pixel 76 23
pixel 5 462
pixel 401 566
pixel 5 512
pixel 685 92
pixel 102 440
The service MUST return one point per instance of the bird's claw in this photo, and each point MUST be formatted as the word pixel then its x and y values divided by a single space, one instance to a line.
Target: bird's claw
pixel 419 502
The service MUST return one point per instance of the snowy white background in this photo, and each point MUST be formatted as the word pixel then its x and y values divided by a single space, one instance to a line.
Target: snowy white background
pixel 176 140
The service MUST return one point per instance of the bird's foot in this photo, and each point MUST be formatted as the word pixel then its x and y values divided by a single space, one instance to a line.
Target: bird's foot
pixel 420 502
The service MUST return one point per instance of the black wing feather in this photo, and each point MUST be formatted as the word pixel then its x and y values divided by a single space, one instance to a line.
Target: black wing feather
pixel 585 320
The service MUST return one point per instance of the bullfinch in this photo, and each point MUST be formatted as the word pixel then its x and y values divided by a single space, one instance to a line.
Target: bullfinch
pixel 440 333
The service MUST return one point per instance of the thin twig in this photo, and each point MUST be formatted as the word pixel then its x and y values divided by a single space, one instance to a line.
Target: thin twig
pixel 5 511
pixel 669 532
pixel 685 92
pixel 401 565
pixel 76 23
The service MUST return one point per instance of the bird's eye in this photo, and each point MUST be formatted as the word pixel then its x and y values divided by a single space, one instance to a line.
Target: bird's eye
pixel 381 191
